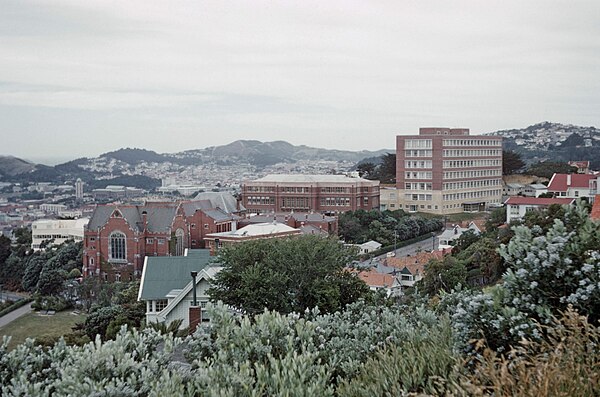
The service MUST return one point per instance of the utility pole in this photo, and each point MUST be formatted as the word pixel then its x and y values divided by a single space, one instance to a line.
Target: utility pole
pixel 395 236
pixel 432 241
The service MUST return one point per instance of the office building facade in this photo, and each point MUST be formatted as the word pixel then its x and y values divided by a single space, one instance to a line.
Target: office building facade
pixel 447 170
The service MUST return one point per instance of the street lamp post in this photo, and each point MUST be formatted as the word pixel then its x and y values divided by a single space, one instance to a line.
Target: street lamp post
pixel 432 241
pixel 395 236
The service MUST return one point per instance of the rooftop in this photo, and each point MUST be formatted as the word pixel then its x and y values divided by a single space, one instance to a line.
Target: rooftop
pixel 163 274
pixel 257 230
pixel 299 178
pixel 517 200
pixel 561 182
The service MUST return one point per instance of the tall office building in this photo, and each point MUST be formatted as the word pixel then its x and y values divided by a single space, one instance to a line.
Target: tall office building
pixel 446 170
pixel 79 189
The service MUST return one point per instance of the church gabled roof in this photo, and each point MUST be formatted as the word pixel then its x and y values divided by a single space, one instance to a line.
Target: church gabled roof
pixel 159 216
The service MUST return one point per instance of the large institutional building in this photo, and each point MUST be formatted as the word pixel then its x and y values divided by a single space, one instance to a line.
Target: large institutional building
pixel 445 171
pixel 310 193
pixel 56 231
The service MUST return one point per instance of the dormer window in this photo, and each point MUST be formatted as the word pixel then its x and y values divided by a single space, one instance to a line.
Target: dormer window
pixel 117 214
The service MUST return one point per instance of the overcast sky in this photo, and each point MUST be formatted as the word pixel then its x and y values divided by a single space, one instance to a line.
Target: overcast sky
pixel 78 78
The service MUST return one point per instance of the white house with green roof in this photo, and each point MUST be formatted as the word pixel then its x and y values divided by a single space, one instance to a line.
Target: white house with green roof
pixel 166 285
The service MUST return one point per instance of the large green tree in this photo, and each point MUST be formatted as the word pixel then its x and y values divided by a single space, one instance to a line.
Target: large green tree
pixel 287 275
pixel 511 162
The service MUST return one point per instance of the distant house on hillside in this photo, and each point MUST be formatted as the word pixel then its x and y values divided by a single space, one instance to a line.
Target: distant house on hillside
pixel 583 167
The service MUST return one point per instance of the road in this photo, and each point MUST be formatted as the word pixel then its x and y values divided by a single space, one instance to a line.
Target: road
pixel 10 317
pixel 425 245
pixel 7 295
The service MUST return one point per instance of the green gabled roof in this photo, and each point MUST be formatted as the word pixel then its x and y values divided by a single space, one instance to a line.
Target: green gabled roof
pixel 163 274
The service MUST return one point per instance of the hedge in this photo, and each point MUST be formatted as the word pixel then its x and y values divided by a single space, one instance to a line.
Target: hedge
pixel 15 306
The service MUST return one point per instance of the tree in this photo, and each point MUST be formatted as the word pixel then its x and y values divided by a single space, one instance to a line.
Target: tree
pixel 387 168
pixel 366 170
pixel 4 249
pixel 511 162
pixel 287 275
pixel 546 169
pixel 443 275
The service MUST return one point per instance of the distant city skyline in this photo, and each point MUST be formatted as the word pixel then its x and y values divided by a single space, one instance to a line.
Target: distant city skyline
pixel 78 79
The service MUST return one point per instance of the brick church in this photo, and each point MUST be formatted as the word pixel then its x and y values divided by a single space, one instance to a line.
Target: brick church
pixel 118 237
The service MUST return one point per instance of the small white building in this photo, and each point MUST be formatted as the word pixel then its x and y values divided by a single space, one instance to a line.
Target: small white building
pixel 517 207
pixel 368 247
pixel 449 235
pixel 535 190
pixel 57 231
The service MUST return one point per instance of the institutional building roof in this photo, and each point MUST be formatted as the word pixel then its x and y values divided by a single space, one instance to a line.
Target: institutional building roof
pixel 300 178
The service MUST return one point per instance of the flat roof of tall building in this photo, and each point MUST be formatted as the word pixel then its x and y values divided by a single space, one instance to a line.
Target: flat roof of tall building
pixel 301 178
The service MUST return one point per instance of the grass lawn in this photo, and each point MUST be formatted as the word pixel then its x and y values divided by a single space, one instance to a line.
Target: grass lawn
pixel 33 325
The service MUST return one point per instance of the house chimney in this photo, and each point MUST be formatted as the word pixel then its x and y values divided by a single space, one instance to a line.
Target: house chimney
pixel 568 180
pixel 195 318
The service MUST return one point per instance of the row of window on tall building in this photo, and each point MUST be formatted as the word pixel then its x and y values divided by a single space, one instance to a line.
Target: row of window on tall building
pixel 472 152
pixel 418 186
pixel 469 195
pixel 418 175
pixel 472 142
pixel 472 173
pixel 417 144
pixel 417 164
pixel 472 163
pixel 418 197
pixel 471 184
pixel 418 153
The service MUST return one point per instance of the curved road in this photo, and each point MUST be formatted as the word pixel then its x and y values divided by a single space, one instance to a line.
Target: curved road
pixel 10 317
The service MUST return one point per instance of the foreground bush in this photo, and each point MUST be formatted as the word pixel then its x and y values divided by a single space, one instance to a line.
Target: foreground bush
pixel 566 363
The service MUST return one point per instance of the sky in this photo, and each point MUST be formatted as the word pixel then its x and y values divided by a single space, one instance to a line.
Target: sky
pixel 79 78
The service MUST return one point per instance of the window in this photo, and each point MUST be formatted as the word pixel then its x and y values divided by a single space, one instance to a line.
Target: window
pixel 161 241
pixel 149 241
pixel 91 261
pixel 160 304
pixel 179 246
pixel 118 277
pixel 206 225
pixel 193 225
pixel 117 247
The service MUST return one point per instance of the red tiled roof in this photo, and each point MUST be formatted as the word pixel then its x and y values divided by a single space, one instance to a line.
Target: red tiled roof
pixel 374 279
pixel 517 200
pixel 558 183
pixel 595 214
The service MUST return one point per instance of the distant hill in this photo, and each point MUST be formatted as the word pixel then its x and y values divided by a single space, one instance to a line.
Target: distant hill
pixel 262 154
pixel 135 156
pixel 554 141
pixel 122 163
pixel 11 166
